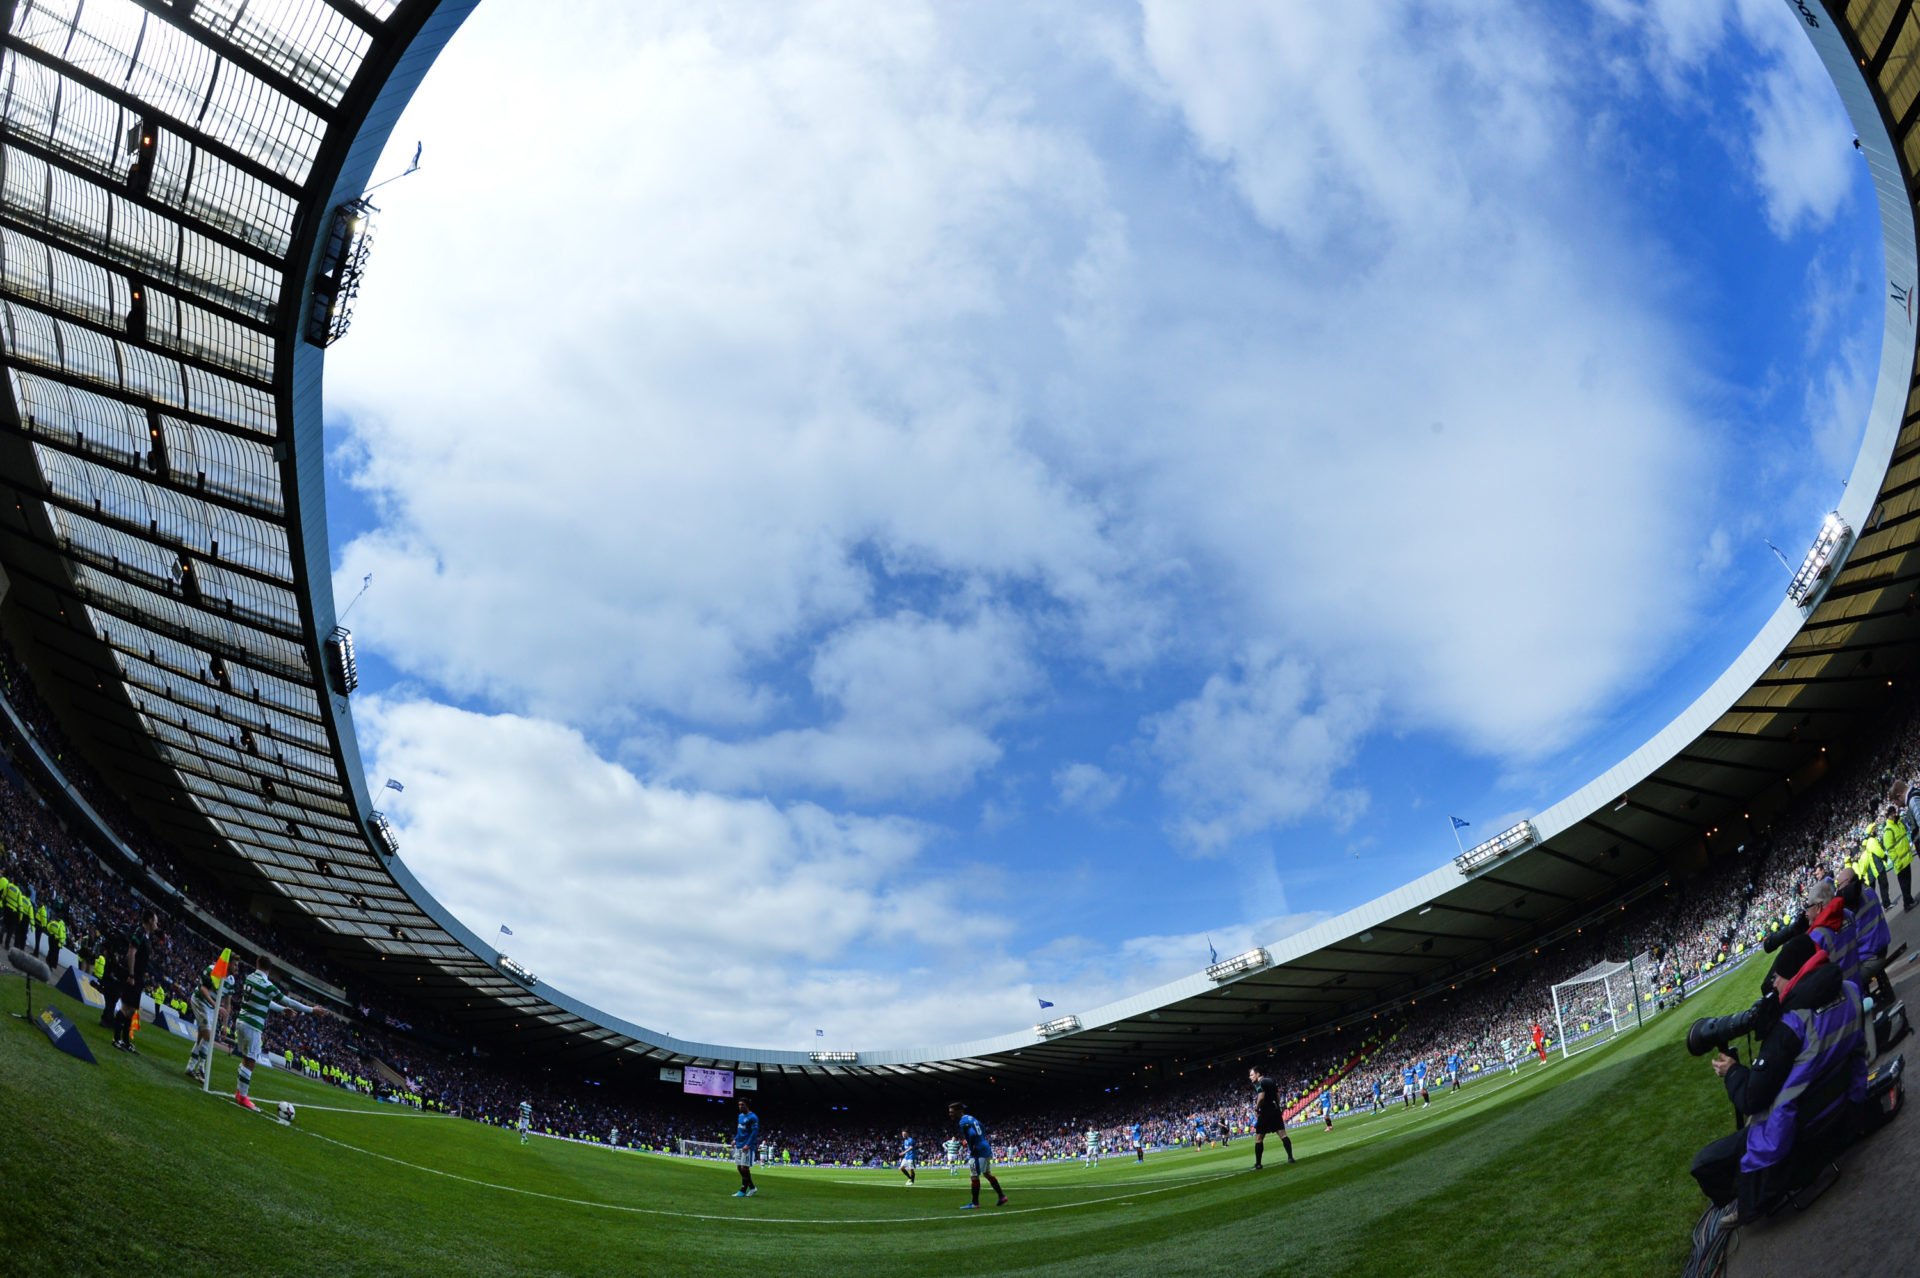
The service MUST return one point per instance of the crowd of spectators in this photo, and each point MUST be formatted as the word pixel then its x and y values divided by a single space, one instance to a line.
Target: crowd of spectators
pixel 1685 934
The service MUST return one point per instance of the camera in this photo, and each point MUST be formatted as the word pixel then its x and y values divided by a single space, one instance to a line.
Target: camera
pixel 1793 927
pixel 1710 1032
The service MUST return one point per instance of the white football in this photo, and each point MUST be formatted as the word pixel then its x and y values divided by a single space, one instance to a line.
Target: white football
pixel 286 1112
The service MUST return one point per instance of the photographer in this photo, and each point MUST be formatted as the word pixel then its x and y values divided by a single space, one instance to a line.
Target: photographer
pixel 1811 1024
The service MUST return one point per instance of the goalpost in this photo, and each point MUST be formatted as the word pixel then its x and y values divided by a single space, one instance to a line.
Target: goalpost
pixel 703 1148
pixel 1605 1000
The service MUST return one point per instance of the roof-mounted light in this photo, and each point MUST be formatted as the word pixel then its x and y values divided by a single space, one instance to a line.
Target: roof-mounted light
pixel 1510 840
pixel 834 1058
pixel 383 833
pixel 1058 1026
pixel 1816 570
pixel 343 671
pixel 1240 965
pixel 518 973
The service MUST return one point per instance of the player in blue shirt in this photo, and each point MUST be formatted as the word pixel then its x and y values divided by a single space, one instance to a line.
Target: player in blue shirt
pixel 1453 1071
pixel 1376 1095
pixel 1200 1132
pixel 979 1153
pixel 1420 1082
pixel 746 1138
pixel 1326 1108
pixel 1139 1146
pixel 1406 1086
pixel 906 1156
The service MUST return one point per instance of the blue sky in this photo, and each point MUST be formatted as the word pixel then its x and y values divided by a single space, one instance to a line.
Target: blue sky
pixel 882 512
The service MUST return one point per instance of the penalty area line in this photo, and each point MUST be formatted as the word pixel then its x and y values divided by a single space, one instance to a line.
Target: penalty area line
pixel 759 1220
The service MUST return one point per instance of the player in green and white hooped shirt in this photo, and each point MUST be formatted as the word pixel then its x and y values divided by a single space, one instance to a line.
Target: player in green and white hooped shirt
pixel 953 1155
pixel 206 1017
pixel 258 996
pixel 526 1119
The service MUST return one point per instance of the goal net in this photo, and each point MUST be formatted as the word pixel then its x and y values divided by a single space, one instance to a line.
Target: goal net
pixel 1599 1003
pixel 703 1148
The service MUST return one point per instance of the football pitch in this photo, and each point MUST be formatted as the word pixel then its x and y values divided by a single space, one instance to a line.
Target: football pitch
pixel 126 1167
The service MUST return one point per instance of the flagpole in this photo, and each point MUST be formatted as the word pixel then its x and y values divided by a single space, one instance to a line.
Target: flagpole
pixel 1456 836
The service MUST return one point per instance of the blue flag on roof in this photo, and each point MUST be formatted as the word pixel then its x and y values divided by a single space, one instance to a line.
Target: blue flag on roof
pixel 1458 824
pixel 819 1033
pixel 395 786
pixel 505 930
pixel 1213 955
pixel 1044 1005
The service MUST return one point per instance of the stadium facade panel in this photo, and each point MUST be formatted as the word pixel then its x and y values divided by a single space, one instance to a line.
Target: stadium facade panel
pixel 179 188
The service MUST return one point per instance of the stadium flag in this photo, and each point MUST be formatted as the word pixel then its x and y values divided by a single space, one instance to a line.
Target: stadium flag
pixel 1458 824
pixel 505 930
pixel 395 786
pixel 1213 955
pixel 1044 1005
pixel 819 1033
pixel 1779 554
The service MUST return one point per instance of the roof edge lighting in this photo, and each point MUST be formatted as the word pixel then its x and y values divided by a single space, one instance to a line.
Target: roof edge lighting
pixel 1058 1026
pixel 834 1058
pixel 1240 965
pixel 343 669
pixel 515 972
pixel 383 831
pixel 1509 840
pixel 342 264
pixel 1817 569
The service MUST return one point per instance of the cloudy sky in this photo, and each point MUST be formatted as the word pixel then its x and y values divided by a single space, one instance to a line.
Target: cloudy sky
pixel 880 512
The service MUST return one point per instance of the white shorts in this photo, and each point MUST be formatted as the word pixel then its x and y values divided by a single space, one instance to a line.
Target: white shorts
pixel 742 1156
pixel 980 1166
pixel 249 1040
pixel 906 1164
pixel 206 1018
pixel 1406 1089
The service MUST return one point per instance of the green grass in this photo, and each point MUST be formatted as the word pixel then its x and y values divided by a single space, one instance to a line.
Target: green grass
pixel 125 1167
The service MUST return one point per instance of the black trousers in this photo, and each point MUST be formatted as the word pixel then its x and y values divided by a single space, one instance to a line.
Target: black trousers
pixel 1716 1168
pixel 1906 887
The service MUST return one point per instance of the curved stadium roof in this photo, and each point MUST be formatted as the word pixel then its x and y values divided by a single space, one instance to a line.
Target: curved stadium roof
pixel 177 188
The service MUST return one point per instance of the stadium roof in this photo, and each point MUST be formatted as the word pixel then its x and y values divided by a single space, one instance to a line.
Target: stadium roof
pixel 180 238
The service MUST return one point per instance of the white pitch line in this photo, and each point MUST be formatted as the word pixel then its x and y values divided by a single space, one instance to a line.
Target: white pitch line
pixel 760 1220
pixel 354 1109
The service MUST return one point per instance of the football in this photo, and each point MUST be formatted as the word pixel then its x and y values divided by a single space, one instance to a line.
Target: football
pixel 287 1112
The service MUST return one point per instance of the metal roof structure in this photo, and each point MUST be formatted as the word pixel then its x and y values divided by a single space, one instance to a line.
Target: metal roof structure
pixel 181 229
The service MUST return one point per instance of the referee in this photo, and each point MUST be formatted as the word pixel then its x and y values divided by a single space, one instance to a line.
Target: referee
pixel 1267 1116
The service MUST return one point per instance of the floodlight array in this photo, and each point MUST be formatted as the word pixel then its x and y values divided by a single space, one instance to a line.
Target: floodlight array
pixel 1817 568
pixel 834 1058
pixel 1509 840
pixel 1240 965
pixel 1058 1026
pixel 518 973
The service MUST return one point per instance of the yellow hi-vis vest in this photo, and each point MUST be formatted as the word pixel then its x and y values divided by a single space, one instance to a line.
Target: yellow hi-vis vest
pixel 99 967
pixel 1872 858
pixel 1898 842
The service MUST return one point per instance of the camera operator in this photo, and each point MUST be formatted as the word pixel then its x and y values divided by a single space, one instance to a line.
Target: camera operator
pixel 1828 924
pixel 1868 937
pixel 1811 1023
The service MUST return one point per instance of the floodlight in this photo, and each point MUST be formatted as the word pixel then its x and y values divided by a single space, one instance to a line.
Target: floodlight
pixel 1509 840
pixel 1816 570
pixel 1239 965
pixel 336 282
pixel 518 973
pixel 1055 1028
pixel 833 1058
pixel 383 833
pixel 343 671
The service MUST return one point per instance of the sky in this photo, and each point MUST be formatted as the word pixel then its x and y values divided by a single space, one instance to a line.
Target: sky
pixel 882 513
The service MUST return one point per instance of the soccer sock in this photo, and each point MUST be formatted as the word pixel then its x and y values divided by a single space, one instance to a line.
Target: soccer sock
pixel 1259 1148
pixel 246 1081
pixel 1286 1143
pixel 976 1191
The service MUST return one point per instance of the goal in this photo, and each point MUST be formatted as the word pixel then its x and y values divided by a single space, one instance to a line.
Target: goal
pixel 1601 1002
pixel 703 1148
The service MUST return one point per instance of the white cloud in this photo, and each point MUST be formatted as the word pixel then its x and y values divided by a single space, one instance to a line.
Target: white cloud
pixel 1260 748
pixel 915 699
pixel 1795 133
pixel 1087 787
